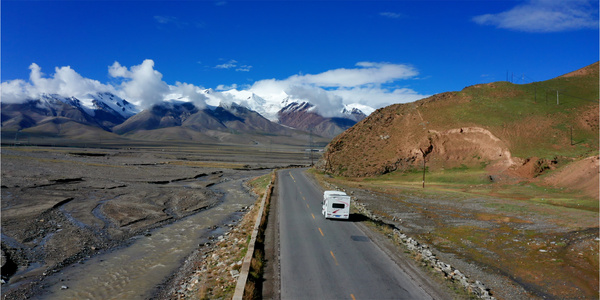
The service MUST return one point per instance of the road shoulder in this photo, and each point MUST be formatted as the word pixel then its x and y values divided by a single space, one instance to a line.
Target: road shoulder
pixel 436 289
pixel 271 278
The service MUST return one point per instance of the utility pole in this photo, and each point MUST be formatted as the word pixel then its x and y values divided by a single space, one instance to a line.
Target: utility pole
pixel 571 135
pixel 423 172
pixel 557 98
pixel 311 146
pixel 423 152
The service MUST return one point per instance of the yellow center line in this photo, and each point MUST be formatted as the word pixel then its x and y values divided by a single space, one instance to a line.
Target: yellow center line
pixel 294 179
pixel 313 215
pixel 336 263
pixel 303 198
pixel 352 295
pixel 307 205
pixel 321 231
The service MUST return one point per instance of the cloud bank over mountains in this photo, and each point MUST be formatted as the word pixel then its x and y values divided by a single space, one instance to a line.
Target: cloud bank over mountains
pixel 365 85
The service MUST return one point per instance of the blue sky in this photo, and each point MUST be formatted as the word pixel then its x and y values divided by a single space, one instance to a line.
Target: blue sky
pixel 412 48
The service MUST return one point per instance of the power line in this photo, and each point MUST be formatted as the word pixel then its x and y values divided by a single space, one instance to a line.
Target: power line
pixel 559 92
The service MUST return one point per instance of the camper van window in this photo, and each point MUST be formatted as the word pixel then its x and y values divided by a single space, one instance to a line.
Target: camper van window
pixel 337 205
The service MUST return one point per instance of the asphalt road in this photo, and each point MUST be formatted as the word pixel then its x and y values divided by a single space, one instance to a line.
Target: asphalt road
pixel 331 259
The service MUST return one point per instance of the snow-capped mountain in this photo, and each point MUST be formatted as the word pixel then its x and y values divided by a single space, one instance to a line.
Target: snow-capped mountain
pixel 271 104
pixel 228 122
pixel 103 110
pixel 204 113
pixel 266 107
pixel 111 102
pixel 304 116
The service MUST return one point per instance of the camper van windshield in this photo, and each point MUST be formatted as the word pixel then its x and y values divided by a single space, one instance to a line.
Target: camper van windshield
pixel 338 205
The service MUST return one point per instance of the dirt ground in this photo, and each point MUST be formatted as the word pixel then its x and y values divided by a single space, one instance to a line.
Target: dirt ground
pixel 518 249
pixel 62 205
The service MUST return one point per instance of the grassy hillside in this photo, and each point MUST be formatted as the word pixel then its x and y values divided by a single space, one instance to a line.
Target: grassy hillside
pixel 470 127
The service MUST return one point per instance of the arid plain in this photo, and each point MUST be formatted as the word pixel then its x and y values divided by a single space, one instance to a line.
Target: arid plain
pixel 63 205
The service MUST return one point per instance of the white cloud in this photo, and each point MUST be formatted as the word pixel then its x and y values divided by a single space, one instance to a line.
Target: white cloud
pixel 228 65
pixel 231 64
pixel 378 97
pixel 142 85
pixel 222 87
pixel 16 91
pixel 189 92
pixel 116 70
pixel 64 82
pixel 391 15
pixel 368 83
pixel 244 68
pixel 333 89
pixel 545 16
pixel 327 104
pixel 366 73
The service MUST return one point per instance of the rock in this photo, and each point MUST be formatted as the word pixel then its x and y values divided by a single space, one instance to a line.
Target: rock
pixel 234 273
pixel 64 287
pixel 427 253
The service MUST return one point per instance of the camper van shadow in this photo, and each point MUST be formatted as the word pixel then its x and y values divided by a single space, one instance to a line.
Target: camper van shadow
pixel 353 218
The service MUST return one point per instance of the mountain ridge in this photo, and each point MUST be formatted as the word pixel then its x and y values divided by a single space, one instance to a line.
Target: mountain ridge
pixel 116 115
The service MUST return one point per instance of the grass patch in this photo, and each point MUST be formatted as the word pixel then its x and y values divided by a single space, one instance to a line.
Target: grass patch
pixel 464 182
pixel 259 184
pixel 448 177
pixel 536 259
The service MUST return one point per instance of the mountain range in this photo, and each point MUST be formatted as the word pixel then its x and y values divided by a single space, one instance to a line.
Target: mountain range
pixel 235 119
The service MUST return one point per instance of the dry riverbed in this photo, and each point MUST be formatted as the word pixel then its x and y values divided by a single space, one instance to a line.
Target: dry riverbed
pixel 62 207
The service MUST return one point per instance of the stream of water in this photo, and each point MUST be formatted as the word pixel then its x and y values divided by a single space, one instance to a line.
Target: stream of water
pixel 134 272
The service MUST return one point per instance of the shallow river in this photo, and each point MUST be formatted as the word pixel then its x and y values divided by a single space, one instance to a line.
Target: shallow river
pixel 135 271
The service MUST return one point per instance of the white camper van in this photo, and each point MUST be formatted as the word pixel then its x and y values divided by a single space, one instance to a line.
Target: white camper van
pixel 336 205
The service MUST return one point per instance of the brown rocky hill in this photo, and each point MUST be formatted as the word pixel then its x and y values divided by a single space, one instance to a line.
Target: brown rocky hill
pixel 516 131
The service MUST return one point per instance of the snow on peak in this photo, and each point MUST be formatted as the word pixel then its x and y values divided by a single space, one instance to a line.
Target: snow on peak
pixel 94 101
pixel 105 100
pixel 367 110
pixel 267 107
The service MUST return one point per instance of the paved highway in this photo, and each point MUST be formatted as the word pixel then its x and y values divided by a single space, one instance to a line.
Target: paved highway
pixel 330 259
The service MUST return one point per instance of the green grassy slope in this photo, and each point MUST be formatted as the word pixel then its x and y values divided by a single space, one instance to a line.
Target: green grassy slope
pixel 526 118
